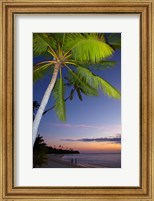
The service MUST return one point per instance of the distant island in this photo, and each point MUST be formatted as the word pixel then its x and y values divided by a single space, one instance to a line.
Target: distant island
pixel 51 150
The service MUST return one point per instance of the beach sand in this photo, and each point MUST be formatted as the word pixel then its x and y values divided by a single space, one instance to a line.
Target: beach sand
pixel 55 161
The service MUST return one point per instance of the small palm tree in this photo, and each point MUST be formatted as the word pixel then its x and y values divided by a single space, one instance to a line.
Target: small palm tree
pixel 77 53
pixel 39 152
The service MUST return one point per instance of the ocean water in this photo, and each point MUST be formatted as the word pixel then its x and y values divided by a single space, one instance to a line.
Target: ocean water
pixel 95 160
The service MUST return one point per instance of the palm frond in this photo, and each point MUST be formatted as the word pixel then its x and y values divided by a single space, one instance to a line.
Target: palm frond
pixel 41 70
pixel 79 94
pixel 41 43
pixel 81 83
pixel 98 66
pixel 114 39
pixel 87 47
pixel 72 94
pixel 57 37
pixel 98 82
pixel 58 94
pixel 40 64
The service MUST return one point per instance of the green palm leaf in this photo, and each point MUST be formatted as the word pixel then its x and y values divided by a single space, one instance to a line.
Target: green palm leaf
pixel 114 40
pixel 79 94
pixel 84 88
pixel 41 70
pixel 81 83
pixel 58 94
pixel 59 37
pixel 88 47
pixel 98 82
pixel 41 43
pixel 99 66
pixel 72 94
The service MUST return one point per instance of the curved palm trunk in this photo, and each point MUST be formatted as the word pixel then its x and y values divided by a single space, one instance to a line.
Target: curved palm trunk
pixel 44 103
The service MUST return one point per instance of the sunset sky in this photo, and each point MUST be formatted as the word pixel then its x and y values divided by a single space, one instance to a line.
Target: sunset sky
pixel 92 125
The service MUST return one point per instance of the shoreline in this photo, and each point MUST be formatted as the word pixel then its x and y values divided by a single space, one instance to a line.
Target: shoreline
pixel 55 161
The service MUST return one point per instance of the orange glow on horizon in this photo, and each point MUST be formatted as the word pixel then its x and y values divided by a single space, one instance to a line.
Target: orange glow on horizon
pixel 91 146
pixel 100 147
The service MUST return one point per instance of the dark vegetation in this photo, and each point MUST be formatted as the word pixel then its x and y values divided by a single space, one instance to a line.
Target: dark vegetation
pixel 51 150
pixel 40 151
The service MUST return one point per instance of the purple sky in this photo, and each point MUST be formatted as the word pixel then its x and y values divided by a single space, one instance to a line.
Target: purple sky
pixel 92 118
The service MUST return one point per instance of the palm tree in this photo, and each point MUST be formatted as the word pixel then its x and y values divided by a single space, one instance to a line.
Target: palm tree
pixel 39 152
pixel 76 52
pixel 75 87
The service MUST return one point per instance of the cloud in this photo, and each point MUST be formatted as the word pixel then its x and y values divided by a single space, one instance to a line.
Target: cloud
pixel 87 126
pixel 112 139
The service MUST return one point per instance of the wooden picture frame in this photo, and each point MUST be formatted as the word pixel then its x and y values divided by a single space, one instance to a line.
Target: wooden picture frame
pixel 7 189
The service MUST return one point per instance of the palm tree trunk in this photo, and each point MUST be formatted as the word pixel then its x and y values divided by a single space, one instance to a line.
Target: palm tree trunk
pixel 44 103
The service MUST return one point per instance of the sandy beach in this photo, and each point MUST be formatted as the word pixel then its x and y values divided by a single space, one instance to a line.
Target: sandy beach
pixel 55 161
pixel 65 161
